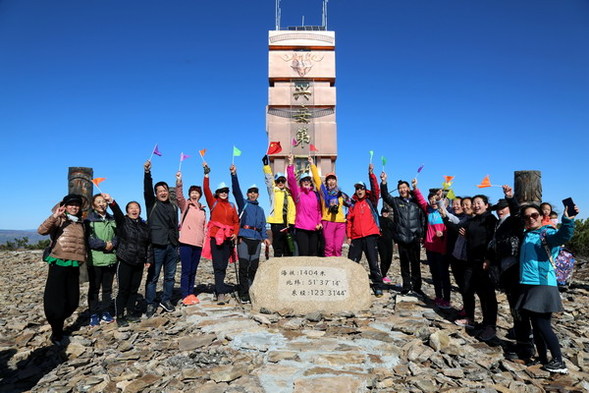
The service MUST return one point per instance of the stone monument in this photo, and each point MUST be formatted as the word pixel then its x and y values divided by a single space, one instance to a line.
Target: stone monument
pixel 310 284
pixel 302 97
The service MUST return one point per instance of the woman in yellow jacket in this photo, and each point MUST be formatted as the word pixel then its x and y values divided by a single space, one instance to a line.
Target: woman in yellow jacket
pixel 333 216
pixel 283 211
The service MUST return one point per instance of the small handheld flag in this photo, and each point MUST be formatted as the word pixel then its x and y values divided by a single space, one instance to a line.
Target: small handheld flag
pixel 202 154
pixel 236 153
pixel 274 148
pixel 371 152
pixel 182 158
pixel 312 148
pixel 155 151
pixel 419 170
pixel 486 182
pixel 97 181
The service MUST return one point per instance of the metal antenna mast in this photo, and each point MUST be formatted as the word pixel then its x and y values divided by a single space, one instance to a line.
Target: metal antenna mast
pixel 278 14
pixel 324 15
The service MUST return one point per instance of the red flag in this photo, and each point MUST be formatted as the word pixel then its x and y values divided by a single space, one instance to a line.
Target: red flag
pixel 313 148
pixel 274 148
pixel 98 180
pixel 202 152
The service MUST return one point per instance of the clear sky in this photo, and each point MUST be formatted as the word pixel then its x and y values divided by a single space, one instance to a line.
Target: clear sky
pixel 468 88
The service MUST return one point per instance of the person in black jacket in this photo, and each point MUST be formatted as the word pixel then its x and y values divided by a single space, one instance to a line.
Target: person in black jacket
pixel 162 218
pixel 409 224
pixel 504 253
pixel 133 252
pixel 478 232
pixel 385 242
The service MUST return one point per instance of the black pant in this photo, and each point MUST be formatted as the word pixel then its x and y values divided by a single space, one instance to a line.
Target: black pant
pixel 385 252
pixel 476 280
pixel 308 241
pixel 249 259
pixel 221 256
pixel 521 320
pixel 129 279
pixel 61 297
pixel 279 243
pixel 544 336
pixel 367 245
pixel 100 277
pixel 410 269
pixel 438 267
pixel 458 268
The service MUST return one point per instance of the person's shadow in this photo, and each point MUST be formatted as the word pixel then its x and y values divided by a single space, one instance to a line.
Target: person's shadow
pixel 29 371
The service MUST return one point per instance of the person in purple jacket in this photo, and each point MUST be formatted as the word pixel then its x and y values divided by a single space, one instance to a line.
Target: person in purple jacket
pixel 308 207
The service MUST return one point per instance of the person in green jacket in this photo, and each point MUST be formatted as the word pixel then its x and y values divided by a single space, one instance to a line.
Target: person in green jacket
pixel 102 242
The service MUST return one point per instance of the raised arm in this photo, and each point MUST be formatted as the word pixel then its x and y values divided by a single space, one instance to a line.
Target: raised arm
pixel 384 190
pixel 237 194
pixel 268 179
pixel 374 189
pixel 207 187
pixel 291 178
pixel 148 193
pixel 179 192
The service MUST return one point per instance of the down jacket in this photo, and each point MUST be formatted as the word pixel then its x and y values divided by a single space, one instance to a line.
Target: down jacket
pixel 133 247
pixel 408 217
pixel 67 237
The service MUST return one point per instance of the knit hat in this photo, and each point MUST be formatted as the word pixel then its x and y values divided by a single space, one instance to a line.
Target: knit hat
pixel 72 199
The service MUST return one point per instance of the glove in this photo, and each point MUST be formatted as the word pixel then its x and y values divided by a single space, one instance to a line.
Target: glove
pixel 207 170
pixel 265 160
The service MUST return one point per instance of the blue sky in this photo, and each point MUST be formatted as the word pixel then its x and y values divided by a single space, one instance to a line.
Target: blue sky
pixel 468 88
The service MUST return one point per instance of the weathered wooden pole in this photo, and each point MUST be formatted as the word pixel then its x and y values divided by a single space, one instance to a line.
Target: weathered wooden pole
pixel 528 186
pixel 80 182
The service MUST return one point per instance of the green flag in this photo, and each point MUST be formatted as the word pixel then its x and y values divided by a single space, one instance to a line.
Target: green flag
pixel 371 152
pixel 384 160
pixel 236 152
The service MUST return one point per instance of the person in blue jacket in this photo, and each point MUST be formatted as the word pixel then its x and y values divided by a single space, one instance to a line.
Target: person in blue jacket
pixel 540 296
pixel 252 232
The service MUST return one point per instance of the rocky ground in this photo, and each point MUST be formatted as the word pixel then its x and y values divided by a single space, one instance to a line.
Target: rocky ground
pixel 401 344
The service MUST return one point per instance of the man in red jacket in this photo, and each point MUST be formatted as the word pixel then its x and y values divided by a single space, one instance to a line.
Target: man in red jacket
pixel 362 228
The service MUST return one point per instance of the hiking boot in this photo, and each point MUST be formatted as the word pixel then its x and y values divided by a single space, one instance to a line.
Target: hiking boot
pixel 419 293
pixel 387 280
pixel 377 292
pixel 194 299
pixel 133 318
pixel 445 304
pixel 405 291
pixel 466 322
pixel 151 308
pixel 244 299
pixel 488 333
pixel 94 320
pixel 556 366
pixel 187 301
pixel 167 306
pixel 106 317
pixel 222 299
pixel 122 321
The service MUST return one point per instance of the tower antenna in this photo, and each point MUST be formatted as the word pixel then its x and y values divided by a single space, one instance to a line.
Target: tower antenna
pixel 278 14
pixel 324 16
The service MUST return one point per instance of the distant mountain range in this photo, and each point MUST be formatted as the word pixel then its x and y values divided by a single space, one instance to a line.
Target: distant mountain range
pixel 11 234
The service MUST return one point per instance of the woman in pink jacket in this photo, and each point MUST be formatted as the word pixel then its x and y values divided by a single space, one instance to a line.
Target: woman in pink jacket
pixel 192 233
pixel 308 207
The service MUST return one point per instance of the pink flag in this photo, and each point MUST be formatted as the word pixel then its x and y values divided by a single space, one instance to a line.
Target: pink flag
pixel 183 156
pixel 156 151
pixel 293 142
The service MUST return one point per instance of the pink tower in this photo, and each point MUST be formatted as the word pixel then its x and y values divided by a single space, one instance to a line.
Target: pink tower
pixel 301 97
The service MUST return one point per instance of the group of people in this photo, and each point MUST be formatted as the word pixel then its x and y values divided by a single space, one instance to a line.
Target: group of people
pixel 310 217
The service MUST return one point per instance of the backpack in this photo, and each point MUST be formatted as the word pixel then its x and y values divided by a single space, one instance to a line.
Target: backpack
pixel 563 265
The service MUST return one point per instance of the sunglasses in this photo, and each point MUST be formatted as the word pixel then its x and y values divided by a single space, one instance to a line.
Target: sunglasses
pixel 360 188
pixel 281 180
pixel 533 216
pixel 223 191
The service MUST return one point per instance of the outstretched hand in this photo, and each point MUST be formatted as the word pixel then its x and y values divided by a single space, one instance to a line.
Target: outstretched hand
pixel 206 169
pixel 568 214
pixel 265 160
pixel 290 159
pixel 507 191
pixel 178 177
pixel 414 183
pixel 232 169
pixel 60 211
pixel 370 168
pixel 147 166
pixel 383 177
pixel 107 198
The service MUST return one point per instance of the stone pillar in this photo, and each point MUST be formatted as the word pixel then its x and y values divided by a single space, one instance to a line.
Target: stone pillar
pixel 302 97
pixel 528 186
pixel 80 182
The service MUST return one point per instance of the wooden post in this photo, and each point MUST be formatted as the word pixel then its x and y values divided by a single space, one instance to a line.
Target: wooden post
pixel 528 186
pixel 80 182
